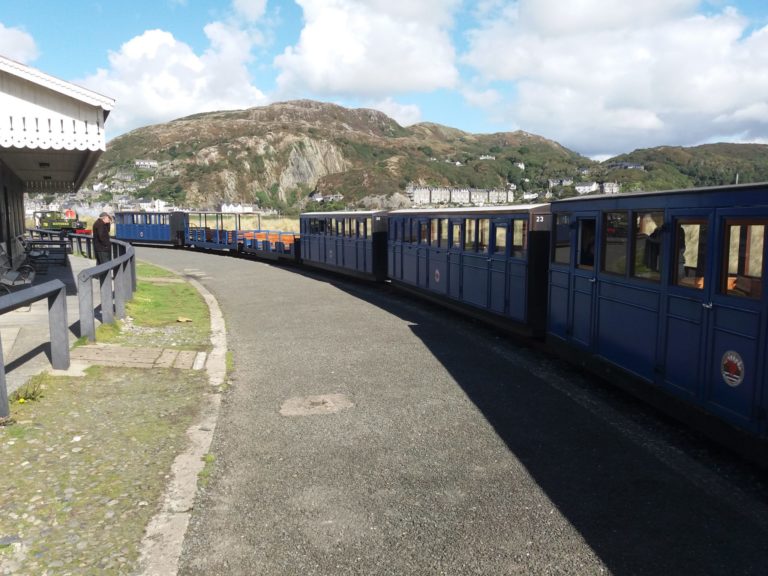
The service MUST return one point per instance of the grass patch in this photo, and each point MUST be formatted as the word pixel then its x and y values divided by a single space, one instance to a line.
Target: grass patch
pixel 163 304
pixel 204 477
pixel 106 333
pixel 86 465
pixel 154 313
pixel 145 270
pixel 229 360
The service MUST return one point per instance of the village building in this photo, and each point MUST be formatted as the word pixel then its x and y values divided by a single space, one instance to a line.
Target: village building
pixel 586 187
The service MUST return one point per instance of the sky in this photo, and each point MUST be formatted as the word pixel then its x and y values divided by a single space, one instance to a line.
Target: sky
pixel 601 77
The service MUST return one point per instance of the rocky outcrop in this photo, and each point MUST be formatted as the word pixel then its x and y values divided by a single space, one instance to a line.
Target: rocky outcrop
pixel 276 155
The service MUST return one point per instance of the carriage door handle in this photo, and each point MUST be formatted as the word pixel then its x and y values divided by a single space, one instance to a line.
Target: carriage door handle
pixel 592 280
pixel 707 305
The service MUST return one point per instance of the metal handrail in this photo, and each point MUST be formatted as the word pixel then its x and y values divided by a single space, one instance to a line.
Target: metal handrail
pixel 117 283
pixel 56 292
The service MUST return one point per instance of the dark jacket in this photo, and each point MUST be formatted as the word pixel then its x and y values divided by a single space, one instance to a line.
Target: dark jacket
pixel 101 236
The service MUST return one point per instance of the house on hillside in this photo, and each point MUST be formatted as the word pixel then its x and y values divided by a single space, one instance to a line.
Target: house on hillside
pixel 236 208
pixel 625 166
pixel 610 187
pixel 586 187
pixel 553 182
pixel 51 135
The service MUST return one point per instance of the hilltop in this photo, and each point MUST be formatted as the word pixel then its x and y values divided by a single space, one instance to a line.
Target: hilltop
pixel 276 155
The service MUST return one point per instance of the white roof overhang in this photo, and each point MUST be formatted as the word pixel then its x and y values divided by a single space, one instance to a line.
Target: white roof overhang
pixel 51 131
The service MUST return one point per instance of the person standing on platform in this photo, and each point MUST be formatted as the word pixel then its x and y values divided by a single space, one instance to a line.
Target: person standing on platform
pixel 101 242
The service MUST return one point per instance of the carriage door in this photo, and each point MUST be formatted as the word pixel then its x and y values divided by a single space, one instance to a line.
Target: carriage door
pixel 736 344
pixel 437 274
pixel 456 247
pixel 422 254
pixel 498 261
pixel 689 303
pixel 584 277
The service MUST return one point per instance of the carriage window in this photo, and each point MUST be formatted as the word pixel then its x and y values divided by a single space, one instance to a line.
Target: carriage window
pixel 443 233
pixel 368 229
pixel 424 232
pixel 744 259
pixel 519 237
pixel 407 231
pixel 470 241
pixel 562 244
pixel 414 231
pixel 586 243
pixel 434 232
pixel 457 236
pixel 647 253
pixel 691 250
pixel 500 240
pixel 332 226
pixel 615 227
pixel 483 234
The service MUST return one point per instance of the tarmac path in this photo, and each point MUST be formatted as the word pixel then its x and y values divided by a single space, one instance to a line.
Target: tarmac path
pixel 367 433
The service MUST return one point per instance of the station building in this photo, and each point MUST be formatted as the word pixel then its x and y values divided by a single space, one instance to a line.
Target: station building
pixel 51 135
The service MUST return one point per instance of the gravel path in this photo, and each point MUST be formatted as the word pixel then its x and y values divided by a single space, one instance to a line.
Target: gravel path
pixel 367 433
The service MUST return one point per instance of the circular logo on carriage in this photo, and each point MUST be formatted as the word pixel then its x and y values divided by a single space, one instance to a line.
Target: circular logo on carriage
pixel 437 276
pixel 732 368
pixel 141 234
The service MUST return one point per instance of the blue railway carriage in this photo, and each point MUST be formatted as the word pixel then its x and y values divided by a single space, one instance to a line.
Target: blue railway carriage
pixel 668 287
pixel 353 243
pixel 151 227
pixel 489 261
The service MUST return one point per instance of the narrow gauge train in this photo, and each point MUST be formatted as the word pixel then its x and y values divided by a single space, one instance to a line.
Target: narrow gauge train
pixel 238 233
pixel 660 291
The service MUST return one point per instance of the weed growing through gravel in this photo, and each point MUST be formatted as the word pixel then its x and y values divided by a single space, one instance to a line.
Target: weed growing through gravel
pixel 86 464
pixel 31 391
pixel 204 477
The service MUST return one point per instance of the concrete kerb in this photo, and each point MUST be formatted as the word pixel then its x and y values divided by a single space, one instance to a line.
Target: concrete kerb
pixel 162 543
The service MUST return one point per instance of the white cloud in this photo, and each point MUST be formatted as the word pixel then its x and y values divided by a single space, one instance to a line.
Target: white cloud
pixel 481 98
pixel 155 78
pixel 17 44
pixel 555 17
pixel 251 10
pixel 371 48
pixel 610 76
pixel 404 114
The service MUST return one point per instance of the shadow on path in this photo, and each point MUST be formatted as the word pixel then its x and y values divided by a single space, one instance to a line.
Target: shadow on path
pixel 640 515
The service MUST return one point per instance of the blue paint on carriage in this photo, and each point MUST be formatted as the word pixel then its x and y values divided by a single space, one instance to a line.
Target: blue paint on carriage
pixel 348 242
pixel 477 257
pixel 148 227
pixel 674 294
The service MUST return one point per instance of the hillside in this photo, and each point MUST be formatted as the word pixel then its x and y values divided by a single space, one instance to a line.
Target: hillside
pixel 276 155
pixel 669 167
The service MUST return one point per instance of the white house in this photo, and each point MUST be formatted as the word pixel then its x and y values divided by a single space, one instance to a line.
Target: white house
pixel 237 208
pixel 610 187
pixel 586 187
